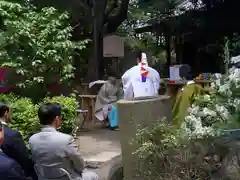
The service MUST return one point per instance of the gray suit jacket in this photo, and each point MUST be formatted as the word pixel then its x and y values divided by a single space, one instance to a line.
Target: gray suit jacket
pixel 52 148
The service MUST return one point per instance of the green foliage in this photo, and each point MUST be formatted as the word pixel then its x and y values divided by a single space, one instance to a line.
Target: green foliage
pixel 159 9
pixel 69 113
pixel 154 145
pixel 24 117
pixel 144 13
pixel 234 45
pixel 8 98
pixel 37 43
pixel 163 153
pixel 193 151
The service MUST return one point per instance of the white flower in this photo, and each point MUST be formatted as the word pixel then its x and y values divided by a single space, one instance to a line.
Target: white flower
pixel 206 97
pixel 194 110
pixel 234 76
pixel 235 59
pixel 223 111
pixel 225 89
pixel 233 102
pixel 213 85
pixel 236 102
pixel 217 83
pixel 193 128
pixel 209 112
pixel 226 99
pixel 218 75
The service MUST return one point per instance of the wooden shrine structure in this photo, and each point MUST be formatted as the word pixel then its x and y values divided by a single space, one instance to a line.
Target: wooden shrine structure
pixel 197 34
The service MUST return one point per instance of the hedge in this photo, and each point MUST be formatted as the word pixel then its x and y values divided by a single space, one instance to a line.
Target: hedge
pixel 25 119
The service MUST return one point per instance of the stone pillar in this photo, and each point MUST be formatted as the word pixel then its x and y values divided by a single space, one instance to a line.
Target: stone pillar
pixel 138 112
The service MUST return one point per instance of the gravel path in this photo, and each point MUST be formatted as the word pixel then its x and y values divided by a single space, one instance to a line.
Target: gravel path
pixel 101 150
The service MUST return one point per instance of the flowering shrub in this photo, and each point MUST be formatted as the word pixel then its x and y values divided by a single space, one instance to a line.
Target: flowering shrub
pixel 196 150
pixel 219 110
pixel 163 153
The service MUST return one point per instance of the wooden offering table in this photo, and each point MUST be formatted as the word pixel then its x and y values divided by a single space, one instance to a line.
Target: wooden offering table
pixel 204 83
pixel 173 88
pixel 90 102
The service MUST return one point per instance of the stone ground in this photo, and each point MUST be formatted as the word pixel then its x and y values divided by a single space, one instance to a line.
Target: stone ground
pixel 100 149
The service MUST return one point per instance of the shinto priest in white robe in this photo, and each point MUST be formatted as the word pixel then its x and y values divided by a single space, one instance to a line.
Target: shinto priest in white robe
pixel 141 80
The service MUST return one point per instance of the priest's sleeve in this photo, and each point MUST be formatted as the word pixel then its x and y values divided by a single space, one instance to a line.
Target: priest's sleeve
pixel 127 87
pixel 184 99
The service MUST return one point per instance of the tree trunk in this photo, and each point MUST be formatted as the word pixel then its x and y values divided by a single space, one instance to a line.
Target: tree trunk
pixel 226 55
pixel 168 47
pixel 103 25
pixel 96 61
pixel 113 22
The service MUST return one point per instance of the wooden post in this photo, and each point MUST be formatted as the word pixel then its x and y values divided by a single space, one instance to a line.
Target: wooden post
pixel 168 47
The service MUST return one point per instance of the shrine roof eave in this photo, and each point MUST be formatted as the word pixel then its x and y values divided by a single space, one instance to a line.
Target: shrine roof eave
pixel 185 20
pixel 171 22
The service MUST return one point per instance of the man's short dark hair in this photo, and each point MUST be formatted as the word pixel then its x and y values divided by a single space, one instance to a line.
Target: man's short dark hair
pixel 139 54
pixel 48 112
pixel 3 108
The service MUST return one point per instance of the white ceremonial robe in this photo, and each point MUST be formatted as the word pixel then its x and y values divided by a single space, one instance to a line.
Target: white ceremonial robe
pixel 134 87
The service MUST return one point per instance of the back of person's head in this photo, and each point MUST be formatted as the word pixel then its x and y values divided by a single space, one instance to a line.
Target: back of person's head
pixel 4 109
pixel 49 113
pixel 139 55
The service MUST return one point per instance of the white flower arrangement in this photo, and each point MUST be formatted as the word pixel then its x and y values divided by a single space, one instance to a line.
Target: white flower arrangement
pixel 219 107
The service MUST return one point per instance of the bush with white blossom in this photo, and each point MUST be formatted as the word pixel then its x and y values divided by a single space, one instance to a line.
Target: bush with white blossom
pixel 192 152
pixel 219 110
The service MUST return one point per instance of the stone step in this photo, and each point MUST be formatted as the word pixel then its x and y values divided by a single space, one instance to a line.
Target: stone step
pixel 96 161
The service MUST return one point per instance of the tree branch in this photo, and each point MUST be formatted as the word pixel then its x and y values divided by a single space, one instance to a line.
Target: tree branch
pixel 110 10
pixel 115 21
pixel 89 3
pixel 84 4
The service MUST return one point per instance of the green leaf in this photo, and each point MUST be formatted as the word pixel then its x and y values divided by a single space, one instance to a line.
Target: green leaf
pixel 36 43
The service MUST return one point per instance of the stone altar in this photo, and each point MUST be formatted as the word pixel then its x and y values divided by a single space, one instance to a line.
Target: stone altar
pixel 133 113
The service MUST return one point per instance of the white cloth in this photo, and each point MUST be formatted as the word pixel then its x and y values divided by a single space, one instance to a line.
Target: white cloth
pixel 133 85
pixel 188 83
pixel 102 114
pixel 91 84
pixel 3 122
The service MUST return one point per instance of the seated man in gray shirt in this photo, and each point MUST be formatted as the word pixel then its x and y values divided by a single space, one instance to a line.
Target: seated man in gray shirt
pixel 56 150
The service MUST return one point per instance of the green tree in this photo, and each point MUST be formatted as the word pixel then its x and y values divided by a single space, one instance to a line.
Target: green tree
pixel 94 18
pixel 143 13
pixel 37 44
